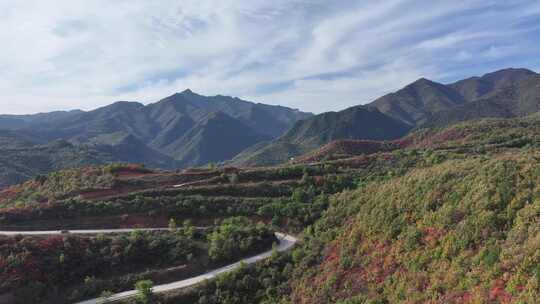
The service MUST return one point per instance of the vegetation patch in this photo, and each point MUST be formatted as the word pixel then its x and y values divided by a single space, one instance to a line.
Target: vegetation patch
pixel 66 268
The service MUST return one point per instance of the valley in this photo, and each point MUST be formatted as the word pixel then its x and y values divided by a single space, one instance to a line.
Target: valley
pixel 358 206
pixel 318 198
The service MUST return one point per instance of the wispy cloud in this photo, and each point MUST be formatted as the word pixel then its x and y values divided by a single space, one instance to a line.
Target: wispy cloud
pixel 314 55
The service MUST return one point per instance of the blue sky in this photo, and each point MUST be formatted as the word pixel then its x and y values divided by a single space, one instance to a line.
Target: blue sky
pixel 313 55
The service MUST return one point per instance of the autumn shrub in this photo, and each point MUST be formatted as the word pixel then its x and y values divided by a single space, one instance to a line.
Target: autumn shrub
pixel 459 230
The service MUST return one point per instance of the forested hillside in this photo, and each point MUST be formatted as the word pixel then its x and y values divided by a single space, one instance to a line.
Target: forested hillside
pixel 450 218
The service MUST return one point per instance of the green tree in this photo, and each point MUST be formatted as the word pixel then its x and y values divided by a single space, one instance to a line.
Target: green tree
pixel 144 291
pixel 189 229
pixel 299 195
pixel 104 297
pixel 172 224
pixel 233 178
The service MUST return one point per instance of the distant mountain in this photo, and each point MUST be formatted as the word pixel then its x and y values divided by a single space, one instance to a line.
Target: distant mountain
pixel 480 87
pixel 16 139
pixel 423 103
pixel 505 93
pixel 358 122
pixel 16 122
pixel 22 160
pixel 511 94
pixel 185 129
pixel 488 133
pixel 207 142
pixel 414 103
pixel 265 119
pixel 127 148
pixel 189 128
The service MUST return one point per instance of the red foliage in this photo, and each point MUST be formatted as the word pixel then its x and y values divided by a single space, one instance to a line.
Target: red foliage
pixel 498 293
pixel 51 243
pixel 132 171
pixel 12 192
pixel 431 139
pixel 462 297
pixel 347 148
pixel 432 235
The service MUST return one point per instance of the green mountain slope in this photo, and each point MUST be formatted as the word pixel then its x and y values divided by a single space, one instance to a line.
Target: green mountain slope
pixel 185 129
pixel 480 87
pixel 517 98
pixel 478 134
pixel 207 142
pixel 354 123
pixel 19 163
pixel 22 160
pixel 504 93
pixel 418 100
pixel 424 103
pixel 452 217
pixel 129 149
pixel 264 119
pixel 14 122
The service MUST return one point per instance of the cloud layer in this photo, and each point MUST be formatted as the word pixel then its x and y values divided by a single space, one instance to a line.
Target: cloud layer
pixel 314 55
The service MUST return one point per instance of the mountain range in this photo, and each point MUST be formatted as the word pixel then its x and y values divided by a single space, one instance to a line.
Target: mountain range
pixel 421 104
pixel 182 130
pixel 188 129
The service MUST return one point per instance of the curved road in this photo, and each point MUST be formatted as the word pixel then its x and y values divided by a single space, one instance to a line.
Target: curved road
pixel 103 231
pixel 286 242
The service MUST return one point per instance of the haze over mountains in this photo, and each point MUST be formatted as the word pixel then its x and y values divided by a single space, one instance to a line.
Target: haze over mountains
pixel 187 129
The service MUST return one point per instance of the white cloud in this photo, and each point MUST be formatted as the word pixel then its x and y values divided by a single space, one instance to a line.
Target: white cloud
pixel 463 56
pixel 65 54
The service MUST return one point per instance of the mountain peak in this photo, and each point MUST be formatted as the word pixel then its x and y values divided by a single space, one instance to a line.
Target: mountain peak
pixel 123 103
pixel 514 71
pixel 180 97
pixel 510 73
pixel 187 91
pixel 424 81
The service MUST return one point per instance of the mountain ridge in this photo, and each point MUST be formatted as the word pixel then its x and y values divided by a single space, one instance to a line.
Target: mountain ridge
pixel 421 104
pixel 360 122
pixel 174 128
pixel 177 131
